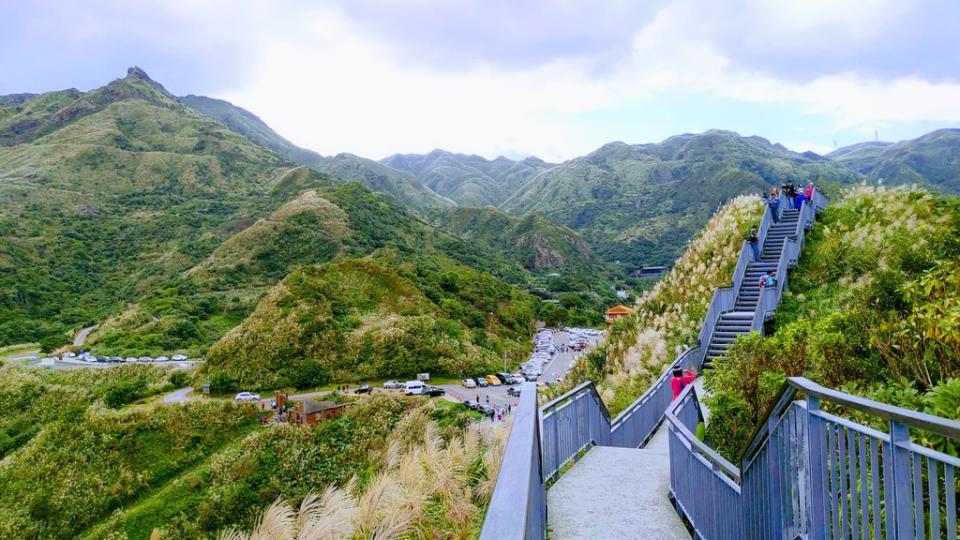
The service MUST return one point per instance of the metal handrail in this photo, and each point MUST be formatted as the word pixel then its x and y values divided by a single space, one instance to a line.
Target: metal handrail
pixel 794 385
pixel 701 447
pixel 520 479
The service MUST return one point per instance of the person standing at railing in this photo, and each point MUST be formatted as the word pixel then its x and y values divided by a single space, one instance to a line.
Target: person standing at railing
pixel 681 378
pixel 754 242
pixel 774 203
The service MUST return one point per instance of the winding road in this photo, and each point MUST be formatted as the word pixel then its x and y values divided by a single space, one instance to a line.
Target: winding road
pixel 81 336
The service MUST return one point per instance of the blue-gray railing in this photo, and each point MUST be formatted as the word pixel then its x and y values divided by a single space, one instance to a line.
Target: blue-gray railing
pixel 811 474
pixel 518 507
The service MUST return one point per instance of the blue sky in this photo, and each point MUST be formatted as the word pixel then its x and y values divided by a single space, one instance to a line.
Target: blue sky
pixel 553 79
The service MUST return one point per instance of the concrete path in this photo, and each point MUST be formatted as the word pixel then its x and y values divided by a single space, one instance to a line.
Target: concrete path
pixel 179 396
pixel 618 493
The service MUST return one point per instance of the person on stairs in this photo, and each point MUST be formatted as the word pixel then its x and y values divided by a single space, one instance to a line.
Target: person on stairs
pixel 790 191
pixel 774 203
pixel 798 199
pixel 754 242
pixel 767 280
pixel 681 378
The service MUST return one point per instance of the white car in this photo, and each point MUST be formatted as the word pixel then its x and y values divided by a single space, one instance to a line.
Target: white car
pixel 162 359
pixel 469 383
pixel 392 385
pixel 130 359
pixel 144 359
pixel 414 388
pixel 246 396
pixel 178 357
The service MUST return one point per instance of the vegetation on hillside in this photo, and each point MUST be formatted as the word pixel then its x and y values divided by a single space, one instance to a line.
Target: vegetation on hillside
pixel 873 308
pixel 429 484
pixel 357 319
pixel 668 317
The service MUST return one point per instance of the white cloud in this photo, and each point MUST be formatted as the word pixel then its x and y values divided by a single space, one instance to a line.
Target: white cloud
pixel 331 85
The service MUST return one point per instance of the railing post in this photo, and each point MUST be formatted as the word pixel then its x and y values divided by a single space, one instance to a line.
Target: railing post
pixel 774 478
pixel 902 484
pixel 817 469
pixel 555 466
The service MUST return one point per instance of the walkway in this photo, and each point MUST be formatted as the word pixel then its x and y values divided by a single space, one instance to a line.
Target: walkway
pixel 617 493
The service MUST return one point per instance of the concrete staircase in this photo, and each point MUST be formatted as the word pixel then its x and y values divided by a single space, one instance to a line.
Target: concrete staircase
pixel 734 323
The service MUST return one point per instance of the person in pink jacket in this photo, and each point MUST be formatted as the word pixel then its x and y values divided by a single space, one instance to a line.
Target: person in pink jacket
pixel 808 191
pixel 681 378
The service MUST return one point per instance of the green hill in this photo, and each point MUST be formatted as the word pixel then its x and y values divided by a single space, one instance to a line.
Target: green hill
pixel 932 161
pixel 535 241
pixel 469 180
pixel 639 204
pixel 166 226
pixel 404 187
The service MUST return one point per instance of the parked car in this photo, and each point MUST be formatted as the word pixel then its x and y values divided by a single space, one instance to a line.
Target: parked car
pixel 246 396
pixel 530 377
pixel 392 385
pixel 178 357
pixel 144 359
pixel 414 388
pixel 481 382
pixel 162 359
pixel 469 383
pixel 504 377
pixel 493 380
pixel 364 389
pixel 484 410
pixel 130 359
pixel 116 359
pixel 433 391
pixel 512 391
pixel 517 378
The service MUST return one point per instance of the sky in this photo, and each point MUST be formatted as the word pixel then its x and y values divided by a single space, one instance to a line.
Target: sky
pixel 554 79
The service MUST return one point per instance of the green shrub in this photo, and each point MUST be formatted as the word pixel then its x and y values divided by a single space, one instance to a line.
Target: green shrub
pixel 125 392
pixel 222 383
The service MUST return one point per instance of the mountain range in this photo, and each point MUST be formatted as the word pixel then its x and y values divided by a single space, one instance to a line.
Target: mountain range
pixel 637 204
pixel 167 219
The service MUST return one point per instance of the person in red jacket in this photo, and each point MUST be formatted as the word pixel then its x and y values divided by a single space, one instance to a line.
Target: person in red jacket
pixel 681 378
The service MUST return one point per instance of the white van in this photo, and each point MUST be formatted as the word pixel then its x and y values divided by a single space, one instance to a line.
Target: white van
pixel 414 388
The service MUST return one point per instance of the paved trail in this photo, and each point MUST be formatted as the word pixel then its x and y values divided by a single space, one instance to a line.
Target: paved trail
pixel 81 337
pixel 180 396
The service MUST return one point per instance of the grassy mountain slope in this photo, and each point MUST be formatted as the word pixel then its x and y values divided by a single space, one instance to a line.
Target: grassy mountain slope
pixel 873 308
pixel 932 161
pixel 375 176
pixel 469 180
pixel 100 206
pixel 171 224
pixel 403 186
pixel 537 242
pixel 640 203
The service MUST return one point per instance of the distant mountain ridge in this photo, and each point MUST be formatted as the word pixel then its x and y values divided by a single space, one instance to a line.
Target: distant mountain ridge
pixel 402 186
pixel 931 160
pixel 470 180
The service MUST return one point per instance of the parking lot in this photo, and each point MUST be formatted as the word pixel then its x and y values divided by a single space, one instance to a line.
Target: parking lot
pixel 554 370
